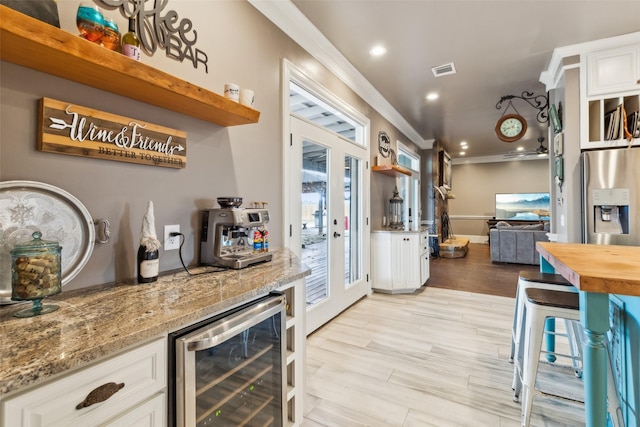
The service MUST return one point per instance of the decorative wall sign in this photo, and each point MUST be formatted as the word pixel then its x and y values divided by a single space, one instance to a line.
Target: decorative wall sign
pixel 554 118
pixel 384 144
pixel 156 27
pixel 79 131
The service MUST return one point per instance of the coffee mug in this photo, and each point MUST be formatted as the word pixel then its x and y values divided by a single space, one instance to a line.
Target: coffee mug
pixel 246 97
pixel 232 91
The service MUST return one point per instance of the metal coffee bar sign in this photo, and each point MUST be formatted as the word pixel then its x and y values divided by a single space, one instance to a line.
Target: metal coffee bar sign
pixel 79 131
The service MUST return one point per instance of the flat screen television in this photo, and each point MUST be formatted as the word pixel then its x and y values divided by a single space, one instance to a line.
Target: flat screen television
pixel 523 206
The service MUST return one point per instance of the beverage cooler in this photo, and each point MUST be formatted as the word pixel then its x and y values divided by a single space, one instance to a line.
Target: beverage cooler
pixel 229 370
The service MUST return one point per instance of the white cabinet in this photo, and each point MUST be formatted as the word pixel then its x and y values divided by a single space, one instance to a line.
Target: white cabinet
pixel 151 413
pixel 613 70
pixel 613 98
pixel 296 339
pixel 405 265
pixel 609 91
pixel 136 381
pixel 398 261
pixel 424 257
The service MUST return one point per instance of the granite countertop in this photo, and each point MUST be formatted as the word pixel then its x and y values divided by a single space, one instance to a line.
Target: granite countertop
pixel 101 320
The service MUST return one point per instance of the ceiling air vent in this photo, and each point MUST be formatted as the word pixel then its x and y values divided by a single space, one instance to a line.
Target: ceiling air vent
pixel 443 70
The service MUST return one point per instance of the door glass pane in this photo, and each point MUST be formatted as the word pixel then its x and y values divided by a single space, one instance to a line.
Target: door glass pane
pixel 352 226
pixel 314 219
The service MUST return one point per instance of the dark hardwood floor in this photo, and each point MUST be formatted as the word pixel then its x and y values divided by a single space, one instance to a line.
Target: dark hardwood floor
pixel 476 273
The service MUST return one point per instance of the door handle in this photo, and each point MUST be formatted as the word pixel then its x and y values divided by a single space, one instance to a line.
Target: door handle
pixel 336 234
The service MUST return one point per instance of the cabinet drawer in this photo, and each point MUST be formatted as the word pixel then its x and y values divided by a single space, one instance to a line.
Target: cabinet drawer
pixel 152 413
pixel 142 370
pixel 424 239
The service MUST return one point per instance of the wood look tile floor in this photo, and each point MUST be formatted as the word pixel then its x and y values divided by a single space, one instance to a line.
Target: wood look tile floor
pixel 438 357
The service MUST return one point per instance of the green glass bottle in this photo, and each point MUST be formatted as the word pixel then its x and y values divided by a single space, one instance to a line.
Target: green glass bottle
pixel 130 41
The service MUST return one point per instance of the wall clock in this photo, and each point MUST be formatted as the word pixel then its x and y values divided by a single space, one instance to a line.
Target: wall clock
pixel 511 127
pixel 384 144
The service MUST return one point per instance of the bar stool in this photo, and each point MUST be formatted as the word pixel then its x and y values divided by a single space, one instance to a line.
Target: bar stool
pixel 538 280
pixel 535 279
pixel 541 304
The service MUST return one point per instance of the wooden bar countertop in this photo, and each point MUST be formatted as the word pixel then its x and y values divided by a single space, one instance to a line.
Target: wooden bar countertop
pixel 595 268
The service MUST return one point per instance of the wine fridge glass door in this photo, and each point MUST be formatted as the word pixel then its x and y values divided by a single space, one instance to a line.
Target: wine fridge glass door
pixel 234 371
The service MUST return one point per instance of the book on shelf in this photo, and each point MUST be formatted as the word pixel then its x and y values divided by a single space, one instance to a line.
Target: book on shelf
pixel 612 124
pixel 633 124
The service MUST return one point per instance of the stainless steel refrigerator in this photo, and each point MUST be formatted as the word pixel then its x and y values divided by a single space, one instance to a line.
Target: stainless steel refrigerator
pixel 611 196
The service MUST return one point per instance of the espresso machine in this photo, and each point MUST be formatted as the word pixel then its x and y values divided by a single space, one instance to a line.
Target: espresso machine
pixel 228 236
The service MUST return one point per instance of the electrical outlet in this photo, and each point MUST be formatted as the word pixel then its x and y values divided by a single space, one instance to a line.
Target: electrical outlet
pixel 171 242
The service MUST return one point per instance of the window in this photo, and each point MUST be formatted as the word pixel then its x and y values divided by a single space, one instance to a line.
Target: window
pixel 409 186
pixel 306 105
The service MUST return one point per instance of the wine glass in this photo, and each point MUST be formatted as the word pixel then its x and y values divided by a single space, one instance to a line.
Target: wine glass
pixel 90 22
pixel 111 38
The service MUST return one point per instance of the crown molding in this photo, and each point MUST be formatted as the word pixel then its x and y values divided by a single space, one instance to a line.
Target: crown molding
pixel 294 24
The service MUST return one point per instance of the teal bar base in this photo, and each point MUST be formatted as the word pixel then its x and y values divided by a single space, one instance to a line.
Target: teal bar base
pixel 594 316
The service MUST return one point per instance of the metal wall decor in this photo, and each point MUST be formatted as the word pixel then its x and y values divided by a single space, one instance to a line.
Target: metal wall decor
pixel 156 27
pixel 384 144
pixel 539 102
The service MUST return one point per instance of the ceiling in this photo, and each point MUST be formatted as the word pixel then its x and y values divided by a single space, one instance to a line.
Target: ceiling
pixel 498 48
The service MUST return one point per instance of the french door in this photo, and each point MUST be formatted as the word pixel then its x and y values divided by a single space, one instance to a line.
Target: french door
pixel 328 211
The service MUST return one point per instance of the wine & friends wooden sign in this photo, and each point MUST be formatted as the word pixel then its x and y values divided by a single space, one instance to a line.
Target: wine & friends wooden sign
pixel 70 129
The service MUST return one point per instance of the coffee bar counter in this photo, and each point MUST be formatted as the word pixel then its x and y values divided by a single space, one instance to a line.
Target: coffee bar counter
pixel 98 321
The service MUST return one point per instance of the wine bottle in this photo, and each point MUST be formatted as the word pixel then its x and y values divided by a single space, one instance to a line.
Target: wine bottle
pixel 130 41
pixel 148 258
pixel 148 264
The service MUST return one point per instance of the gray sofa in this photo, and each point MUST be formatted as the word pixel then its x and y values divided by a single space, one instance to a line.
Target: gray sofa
pixel 517 244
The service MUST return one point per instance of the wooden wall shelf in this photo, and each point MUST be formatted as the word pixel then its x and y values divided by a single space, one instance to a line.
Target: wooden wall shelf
pixel 391 170
pixel 34 44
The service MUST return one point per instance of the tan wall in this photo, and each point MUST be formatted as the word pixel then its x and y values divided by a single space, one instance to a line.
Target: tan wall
pixel 475 186
pixel 246 161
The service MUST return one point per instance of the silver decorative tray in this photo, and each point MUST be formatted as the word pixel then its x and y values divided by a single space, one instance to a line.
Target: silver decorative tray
pixel 28 206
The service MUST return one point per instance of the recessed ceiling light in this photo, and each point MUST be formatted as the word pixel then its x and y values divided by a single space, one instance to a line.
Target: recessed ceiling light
pixel 463 144
pixel 378 51
pixel 432 96
pixel 462 153
pixel 520 149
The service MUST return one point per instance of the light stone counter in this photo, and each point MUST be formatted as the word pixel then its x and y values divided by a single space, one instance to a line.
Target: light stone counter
pixel 101 320
pixel 395 230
